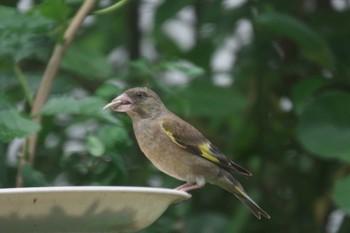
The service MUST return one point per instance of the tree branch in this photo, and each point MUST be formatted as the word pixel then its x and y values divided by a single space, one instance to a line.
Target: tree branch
pixel 50 73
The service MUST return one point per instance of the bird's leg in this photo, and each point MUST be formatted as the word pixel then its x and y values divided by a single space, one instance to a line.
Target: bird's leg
pixel 200 182
pixel 185 186
pixel 189 186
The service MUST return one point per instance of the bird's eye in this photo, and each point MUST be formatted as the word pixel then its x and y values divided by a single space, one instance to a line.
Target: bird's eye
pixel 140 94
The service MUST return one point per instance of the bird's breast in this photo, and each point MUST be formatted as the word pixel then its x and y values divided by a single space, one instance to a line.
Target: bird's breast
pixel 161 151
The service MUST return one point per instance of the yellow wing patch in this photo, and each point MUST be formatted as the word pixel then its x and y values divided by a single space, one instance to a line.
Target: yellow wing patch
pixel 205 150
pixel 172 138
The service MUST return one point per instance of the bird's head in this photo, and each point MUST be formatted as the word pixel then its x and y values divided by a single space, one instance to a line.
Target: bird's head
pixel 138 102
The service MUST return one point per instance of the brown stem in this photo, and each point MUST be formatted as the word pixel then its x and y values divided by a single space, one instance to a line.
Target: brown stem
pixel 50 73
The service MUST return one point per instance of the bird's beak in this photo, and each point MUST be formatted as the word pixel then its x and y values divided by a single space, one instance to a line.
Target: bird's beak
pixel 120 104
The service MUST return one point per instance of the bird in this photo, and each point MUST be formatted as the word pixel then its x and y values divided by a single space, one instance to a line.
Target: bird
pixel 177 148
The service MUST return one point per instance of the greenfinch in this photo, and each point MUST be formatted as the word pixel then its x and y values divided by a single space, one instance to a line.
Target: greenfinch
pixel 177 148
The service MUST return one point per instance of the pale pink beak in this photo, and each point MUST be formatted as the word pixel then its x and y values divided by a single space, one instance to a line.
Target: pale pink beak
pixel 121 103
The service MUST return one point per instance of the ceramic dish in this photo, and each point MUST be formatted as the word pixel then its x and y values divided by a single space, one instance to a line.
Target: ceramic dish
pixel 83 209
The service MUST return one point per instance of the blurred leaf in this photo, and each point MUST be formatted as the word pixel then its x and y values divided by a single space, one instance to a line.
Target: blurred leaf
pixel 304 90
pixel 13 20
pixel 167 10
pixel 32 177
pixel 111 135
pixel 87 61
pixel 167 43
pixel 13 125
pixel 20 34
pixel 313 45
pixel 341 194
pixel 4 104
pixel 54 9
pixel 109 177
pixel 74 1
pixel 324 127
pixel 108 90
pixel 185 67
pixel 119 161
pixel 206 223
pixel 207 100
pixel 90 106
pixel 142 67
pixel 201 54
pixel 6 11
pixel 94 146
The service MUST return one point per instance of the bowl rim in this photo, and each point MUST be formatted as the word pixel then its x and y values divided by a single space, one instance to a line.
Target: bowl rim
pixel 131 189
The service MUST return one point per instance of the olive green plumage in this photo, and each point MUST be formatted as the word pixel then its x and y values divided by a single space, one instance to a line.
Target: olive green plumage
pixel 177 148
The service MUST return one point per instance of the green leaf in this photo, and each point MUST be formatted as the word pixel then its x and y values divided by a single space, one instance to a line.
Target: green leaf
pixel 54 9
pixel 6 11
pixel 21 34
pixel 62 104
pixel 88 62
pixel 119 161
pixel 185 67
pixel 341 193
pixel 204 99
pixel 168 9
pixel 90 106
pixel 12 20
pixel 95 146
pixel 13 125
pixel 32 177
pixel 107 90
pixel 207 222
pixel 312 44
pixel 201 54
pixel 142 67
pixel 112 135
pixel 4 103
pixel 304 90
pixel 324 127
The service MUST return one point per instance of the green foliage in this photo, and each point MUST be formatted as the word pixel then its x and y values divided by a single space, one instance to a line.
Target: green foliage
pixel 312 44
pixel 94 146
pixel 21 34
pixel 341 191
pixel 56 10
pixel 90 106
pixel 13 125
pixel 167 10
pixel 324 127
pixel 94 62
pixel 283 114
pixel 144 68
pixel 204 94
pixel 32 177
pixel 209 222
pixel 304 90
pixel 188 69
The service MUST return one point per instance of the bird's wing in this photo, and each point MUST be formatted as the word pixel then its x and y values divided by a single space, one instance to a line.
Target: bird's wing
pixel 189 138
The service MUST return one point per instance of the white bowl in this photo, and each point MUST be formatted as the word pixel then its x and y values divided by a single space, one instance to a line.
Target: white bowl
pixel 83 209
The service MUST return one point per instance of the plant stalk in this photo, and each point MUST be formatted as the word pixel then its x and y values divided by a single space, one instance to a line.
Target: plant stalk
pixel 50 73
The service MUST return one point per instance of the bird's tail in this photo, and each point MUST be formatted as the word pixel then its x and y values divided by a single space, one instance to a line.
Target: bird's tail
pixel 230 184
